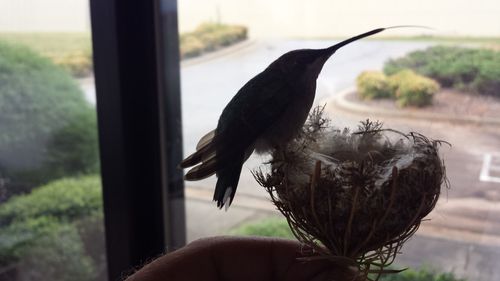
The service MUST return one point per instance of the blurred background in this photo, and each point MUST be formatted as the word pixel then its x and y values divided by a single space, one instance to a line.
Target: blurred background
pixel 50 189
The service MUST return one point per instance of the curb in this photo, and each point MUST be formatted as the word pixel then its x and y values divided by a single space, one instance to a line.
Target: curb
pixel 219 53
pixel 340 101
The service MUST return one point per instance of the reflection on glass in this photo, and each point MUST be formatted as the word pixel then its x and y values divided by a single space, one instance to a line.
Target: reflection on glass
pixel 455 69
pixel 51 220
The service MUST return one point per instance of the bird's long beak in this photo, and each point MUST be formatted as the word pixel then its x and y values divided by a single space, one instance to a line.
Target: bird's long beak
pixel 326 53
pixel 331 50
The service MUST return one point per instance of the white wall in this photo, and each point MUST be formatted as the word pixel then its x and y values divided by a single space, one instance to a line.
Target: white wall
pixel 279 18
pixel 326 18
pixel 44 15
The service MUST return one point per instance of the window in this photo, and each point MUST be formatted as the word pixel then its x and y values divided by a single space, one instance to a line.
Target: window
pixel 146 75
pixel 51 211
pixel 462 227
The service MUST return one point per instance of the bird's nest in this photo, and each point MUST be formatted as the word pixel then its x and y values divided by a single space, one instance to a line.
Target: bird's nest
pixel 354 197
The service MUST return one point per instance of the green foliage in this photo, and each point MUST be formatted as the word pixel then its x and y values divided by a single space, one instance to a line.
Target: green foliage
pixel 78 64
pixel 270 227
pixel 64 200
pixel 19 235
pixel 373 85
pixel 39 102
pixel 407 87
pixel 57 255
pixel 475 70
pixel 71 51
pixel 31 219
pixel 412 89
pixel 420 275
pixel 91 230
pixel 73 149
pixel 210 36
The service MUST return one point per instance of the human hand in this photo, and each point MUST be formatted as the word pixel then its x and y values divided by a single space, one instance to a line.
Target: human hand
pixel 239 259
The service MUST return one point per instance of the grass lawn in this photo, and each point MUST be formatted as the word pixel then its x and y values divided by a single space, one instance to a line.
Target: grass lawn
pixel 52 44
pixel 72 51
pixel 270 227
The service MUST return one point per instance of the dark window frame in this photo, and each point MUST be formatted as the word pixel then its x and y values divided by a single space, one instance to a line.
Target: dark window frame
pixel 136 67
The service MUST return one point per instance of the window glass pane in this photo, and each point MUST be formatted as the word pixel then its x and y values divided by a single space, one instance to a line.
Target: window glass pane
pixel 51 218
pixel 226 43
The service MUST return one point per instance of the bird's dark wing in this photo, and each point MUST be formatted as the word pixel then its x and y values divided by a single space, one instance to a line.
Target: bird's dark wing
pixel 251 112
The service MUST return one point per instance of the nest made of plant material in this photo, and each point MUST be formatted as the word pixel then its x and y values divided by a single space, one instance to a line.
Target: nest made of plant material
pixel 354 197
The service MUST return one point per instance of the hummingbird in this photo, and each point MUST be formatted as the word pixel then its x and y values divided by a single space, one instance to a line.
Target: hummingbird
pixel 269 110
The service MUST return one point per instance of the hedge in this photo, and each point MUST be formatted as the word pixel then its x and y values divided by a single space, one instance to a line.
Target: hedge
pixel 209 37
pixel 71 51
pixel 64 199
pixel 57 255
pixel 411 89
pixel 405 86
pixel 474 70
pixel 49 215
pixel 42 109
pixel 373 85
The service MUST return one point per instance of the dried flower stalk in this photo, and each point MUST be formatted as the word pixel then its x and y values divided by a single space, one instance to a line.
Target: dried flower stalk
pixel 354 198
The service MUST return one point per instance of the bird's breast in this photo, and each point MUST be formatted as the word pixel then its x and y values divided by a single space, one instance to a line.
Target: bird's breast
pixel 288 124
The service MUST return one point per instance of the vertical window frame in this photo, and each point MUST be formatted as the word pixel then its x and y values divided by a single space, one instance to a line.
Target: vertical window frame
pixel 136 67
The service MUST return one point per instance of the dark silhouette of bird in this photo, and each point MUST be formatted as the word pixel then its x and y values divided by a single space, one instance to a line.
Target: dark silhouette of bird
pixel 268 110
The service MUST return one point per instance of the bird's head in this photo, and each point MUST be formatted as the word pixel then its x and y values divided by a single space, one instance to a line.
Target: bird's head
pixel 309 62
pixel 302 61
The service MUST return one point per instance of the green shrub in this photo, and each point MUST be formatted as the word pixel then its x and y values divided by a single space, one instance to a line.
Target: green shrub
pixel 191 46
pixel 91 230
pixel 373 85
pixel 25 219
pixel 488 79
pixel 73 149
pixel 57 255
pixel 412 89
pixel 65 200
pixel 71 51
pixel 209 37
pixel 468 69
pixel 19 235
pixel 38 101
pixel 79 64
pixel 270 227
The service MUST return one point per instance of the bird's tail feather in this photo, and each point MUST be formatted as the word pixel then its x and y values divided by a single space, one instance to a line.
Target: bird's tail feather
pixel 227 182
pixel 204 152
pixel 205 140
pixel 204 170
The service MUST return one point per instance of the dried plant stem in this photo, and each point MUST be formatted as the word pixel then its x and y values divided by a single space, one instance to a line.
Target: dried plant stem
pixel 351 218
pixel 314 181
pixel 357 205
